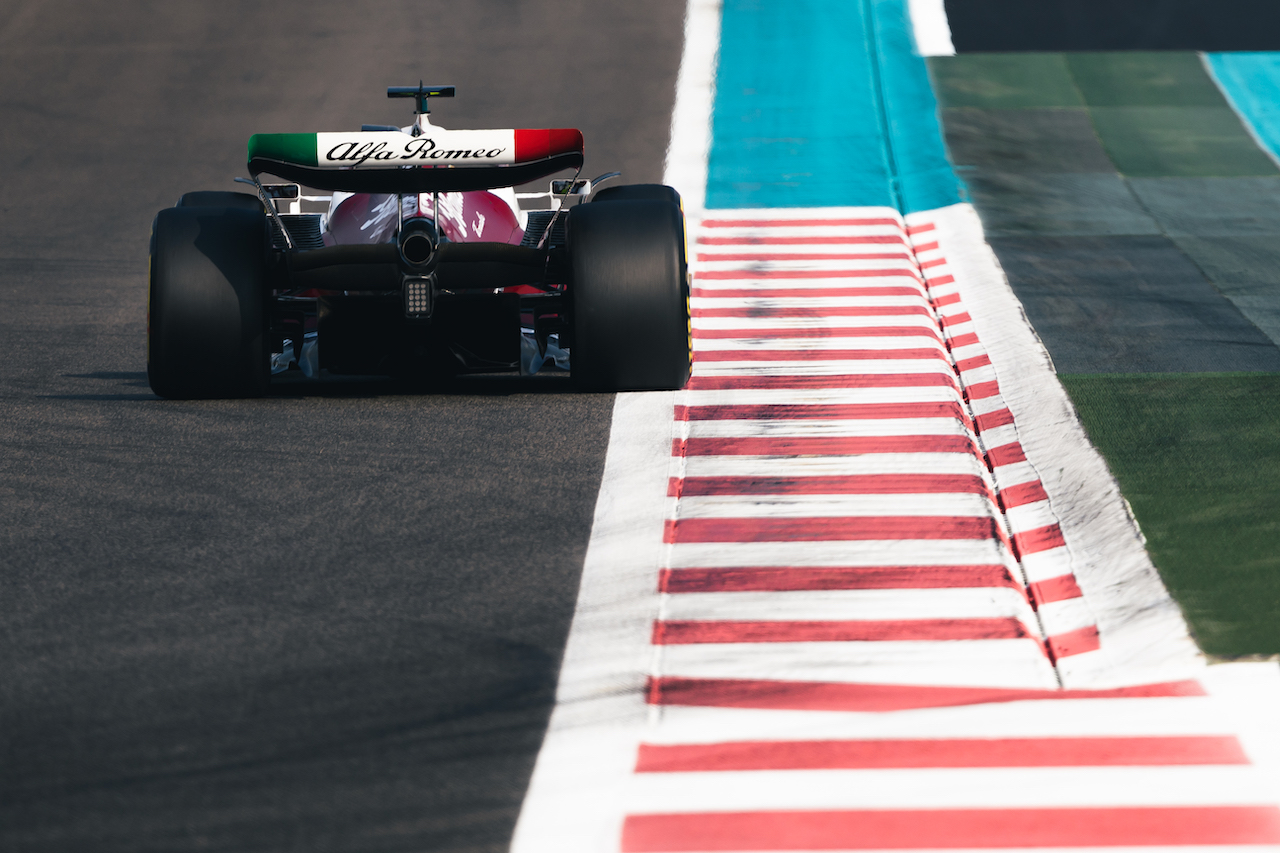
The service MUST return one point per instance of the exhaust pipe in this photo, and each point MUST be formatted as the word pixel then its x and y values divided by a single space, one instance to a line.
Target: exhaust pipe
pixel 418 244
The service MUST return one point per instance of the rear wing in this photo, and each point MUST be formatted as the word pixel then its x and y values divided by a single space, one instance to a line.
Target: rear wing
pixel 398 162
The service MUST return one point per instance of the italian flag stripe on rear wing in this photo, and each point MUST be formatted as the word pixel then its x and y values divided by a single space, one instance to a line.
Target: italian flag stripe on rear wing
pixel 538 144
pixel 297 148
pixel 390 148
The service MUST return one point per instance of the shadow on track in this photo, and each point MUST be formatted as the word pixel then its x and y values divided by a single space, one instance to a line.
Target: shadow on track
pixel 351 387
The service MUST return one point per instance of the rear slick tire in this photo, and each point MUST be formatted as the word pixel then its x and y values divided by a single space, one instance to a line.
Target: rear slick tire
pixel 207 314
pixel 220 198
pixel 630 296
pixel 638 192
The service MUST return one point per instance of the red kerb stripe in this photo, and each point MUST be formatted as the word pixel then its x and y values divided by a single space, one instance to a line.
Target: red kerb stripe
pixel 855 380
pixel 973 363
pixel 991 420
pixel 763 311
pixel 868 239
pixel 954 319
pixel 800 223
pixel 959 752
pixel 756 274
pixel 853 484
pixel 800 578
pixel 680 633
pixel 829 529
pixel 843 411
pixel 1061 588
pixel 1022 494
pixel 821 445
pixel 814 354
pixel 927 247
pixel 965 340
pixel 949 299
pixel 936 262
pixel 919 229
pixel 1006 454
pixel 940 280
pixel 843 696
pixel 950 829
pixel 800 292
pixel 1075 642
pixel 1037 540
pixel 804 256
pixel 822 332
pixel 981 390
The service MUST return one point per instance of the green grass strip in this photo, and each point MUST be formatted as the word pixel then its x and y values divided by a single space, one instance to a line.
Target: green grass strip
pixel 1186 141
pixel 1198 458
pixel 1157 114
pixel 1143 79
pixel 1004 81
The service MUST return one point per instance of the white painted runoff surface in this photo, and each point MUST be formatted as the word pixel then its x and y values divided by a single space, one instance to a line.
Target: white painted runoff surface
pixel 674 514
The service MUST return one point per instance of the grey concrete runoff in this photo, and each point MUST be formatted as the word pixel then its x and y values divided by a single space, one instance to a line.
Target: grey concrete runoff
pixel 1129 304
pixel 1118 274
pixel 328 620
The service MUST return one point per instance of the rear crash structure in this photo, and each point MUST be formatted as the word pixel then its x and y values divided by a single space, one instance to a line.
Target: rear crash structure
pixel 421 265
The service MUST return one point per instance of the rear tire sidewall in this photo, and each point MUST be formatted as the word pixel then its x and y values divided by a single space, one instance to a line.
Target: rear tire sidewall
pixel 207 313
pixel 629 291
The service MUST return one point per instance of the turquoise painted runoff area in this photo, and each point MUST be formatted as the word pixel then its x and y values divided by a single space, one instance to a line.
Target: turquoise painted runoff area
pixel 823 103
pixel 1251 82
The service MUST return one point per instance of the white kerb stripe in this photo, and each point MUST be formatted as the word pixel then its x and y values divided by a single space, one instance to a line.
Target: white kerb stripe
pixel 850 604
pixel 1014 663
pixel 946 788
pixel 1033 719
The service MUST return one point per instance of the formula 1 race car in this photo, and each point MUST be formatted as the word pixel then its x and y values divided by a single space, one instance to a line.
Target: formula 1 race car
pixel 422 265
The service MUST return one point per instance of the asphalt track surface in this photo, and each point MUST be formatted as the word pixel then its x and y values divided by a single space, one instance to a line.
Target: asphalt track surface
pixel 328 620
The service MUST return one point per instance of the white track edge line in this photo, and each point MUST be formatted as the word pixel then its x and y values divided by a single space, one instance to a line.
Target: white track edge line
pixel 690 145
pixel 931 28
pixel 589 750
pixel 587 756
